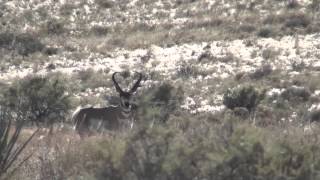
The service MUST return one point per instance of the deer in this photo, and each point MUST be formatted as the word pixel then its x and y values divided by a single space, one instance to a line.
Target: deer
pixel 110 118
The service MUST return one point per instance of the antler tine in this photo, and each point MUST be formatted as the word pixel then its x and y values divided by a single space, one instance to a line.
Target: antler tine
pixel 116 85
pixel 137 84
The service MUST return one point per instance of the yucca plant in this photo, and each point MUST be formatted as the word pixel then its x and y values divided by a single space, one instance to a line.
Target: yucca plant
pixel 10 129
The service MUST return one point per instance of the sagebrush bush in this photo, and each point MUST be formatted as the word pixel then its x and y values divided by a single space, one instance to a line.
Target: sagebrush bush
pixel 159 103
pixel 296 93
pixel 314 116
pixel 261 72
pixel 270 54
pixel 292 4
pixel 54 26
pixel 39 99
pixel 265 32
pixel 24 44
pixel 99 30
pixel 297 21
pixel 104 3
pixel 200 151
pixel 247 28
pixel 246 96
pixel 187 70
pixel 67 9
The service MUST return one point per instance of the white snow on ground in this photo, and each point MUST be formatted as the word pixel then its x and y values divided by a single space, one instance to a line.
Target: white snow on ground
pixel 166 61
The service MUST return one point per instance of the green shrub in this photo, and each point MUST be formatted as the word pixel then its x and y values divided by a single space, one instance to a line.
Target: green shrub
pixel 263 71
pixel 67 9
pixel 99 30
pixel 297 20
pixel 248 28
pixel 265 32
pixel 242 96
pixel 296 93
pixel 104 3
pixel 201 151
pixel 159 103
pixel 187 70
pixel 50 51
pixel 250 158
pixel 293 4
pixel 298 66
pixel 39 99
pixel 270 54
pixel 314 115
pixel 242 165
pixel 54 26
pixel 24 44
pixel 273 19
pixel 314 6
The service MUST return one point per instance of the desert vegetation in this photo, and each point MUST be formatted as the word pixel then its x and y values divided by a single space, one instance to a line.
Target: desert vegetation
pixel 230 89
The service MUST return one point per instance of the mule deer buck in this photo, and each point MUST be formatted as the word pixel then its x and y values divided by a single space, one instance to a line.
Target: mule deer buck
pixel 112 118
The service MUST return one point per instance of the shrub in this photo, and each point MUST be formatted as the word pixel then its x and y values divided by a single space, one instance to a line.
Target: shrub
pixel 24 44
pixel 248 28
pixel 54 27
pixel 242 96
pixel 249 158
pixel 297 20
pixel 205 56
pixel 147 153
pixel 104 3
pixel 50 51
pixel 187 70
pixel 265 32
pixel 194 149
pixel 243 165
pixel 201 151
pixel 159 103
pixel 298 66
pixel 296 93
pixel 182 2
pixel 270 53
pixel 292 4
pixel 67 9
pixel 241 112
pixel 314 6
pixel 314 115
pixel 99 30
pixel 274 19
pixel 40 99
pixel 261 72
